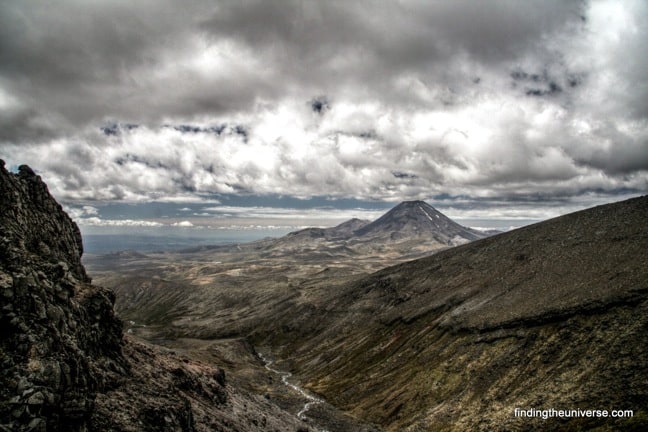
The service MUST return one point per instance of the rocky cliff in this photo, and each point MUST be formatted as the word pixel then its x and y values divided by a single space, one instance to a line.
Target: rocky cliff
pixel 65 363
pixel 58 329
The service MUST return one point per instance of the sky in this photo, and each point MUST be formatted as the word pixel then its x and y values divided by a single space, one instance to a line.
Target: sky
pixel 295 113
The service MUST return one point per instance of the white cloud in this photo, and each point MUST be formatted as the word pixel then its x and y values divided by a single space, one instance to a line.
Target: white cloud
pixel 95 221
pixel 81 212
pixel 294 213
pixel 184 223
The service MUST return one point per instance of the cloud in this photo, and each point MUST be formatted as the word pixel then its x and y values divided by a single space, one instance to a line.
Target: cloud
pixel 81 212
pixel 155 101
pixel 95 221
pixel 280 213
pixel 184 223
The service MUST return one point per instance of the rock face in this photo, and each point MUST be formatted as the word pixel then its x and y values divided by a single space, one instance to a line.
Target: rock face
pixel 58 330
pixel 35 225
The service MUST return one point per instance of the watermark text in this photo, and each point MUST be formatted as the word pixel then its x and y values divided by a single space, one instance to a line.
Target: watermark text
pixel 570 413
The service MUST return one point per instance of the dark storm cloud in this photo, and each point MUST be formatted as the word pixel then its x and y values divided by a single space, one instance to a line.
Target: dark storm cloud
pixel 364 46
pixel 363 99
pixel 65 56
pixel 53 46
pixel 620 153
pixel 25 124
pixel 79 62
pixel 403 32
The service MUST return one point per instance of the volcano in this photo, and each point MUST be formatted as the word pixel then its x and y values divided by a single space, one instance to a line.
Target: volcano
pixel 417 220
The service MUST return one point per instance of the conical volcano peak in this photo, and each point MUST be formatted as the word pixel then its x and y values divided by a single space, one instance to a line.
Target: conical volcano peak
pixel 416 209
pixel 418 220
pixel 415 205
pixel 412 203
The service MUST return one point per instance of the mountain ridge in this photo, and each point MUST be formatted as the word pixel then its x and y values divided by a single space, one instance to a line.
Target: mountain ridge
pixel 407 231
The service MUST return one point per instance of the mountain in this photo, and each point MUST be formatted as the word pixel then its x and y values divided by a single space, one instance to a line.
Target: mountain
pixel 66 364
pixel 347 229
pixel 417 220
pixel 409 220
pixel 552 315
pixel 411 229
pixel 341 232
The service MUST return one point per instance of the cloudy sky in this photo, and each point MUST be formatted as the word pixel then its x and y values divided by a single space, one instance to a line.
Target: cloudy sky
pixel 291 112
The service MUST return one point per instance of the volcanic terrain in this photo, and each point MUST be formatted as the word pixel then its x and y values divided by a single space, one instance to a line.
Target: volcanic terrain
pixel 550 315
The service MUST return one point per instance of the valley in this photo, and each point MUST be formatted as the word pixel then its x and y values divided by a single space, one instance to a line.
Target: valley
pixel 452 341
pixel 208 302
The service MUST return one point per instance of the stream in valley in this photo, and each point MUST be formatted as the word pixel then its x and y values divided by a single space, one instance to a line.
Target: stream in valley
pixel 285 376
pixel 315 411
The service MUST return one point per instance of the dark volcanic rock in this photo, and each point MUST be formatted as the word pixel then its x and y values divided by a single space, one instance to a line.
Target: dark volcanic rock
pixel 57 329
pixel 34 224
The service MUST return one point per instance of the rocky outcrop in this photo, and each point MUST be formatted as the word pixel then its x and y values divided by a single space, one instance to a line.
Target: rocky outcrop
pixel 35 227
pixel 58 331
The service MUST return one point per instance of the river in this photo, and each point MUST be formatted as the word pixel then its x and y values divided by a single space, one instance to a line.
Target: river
pixel 285 376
